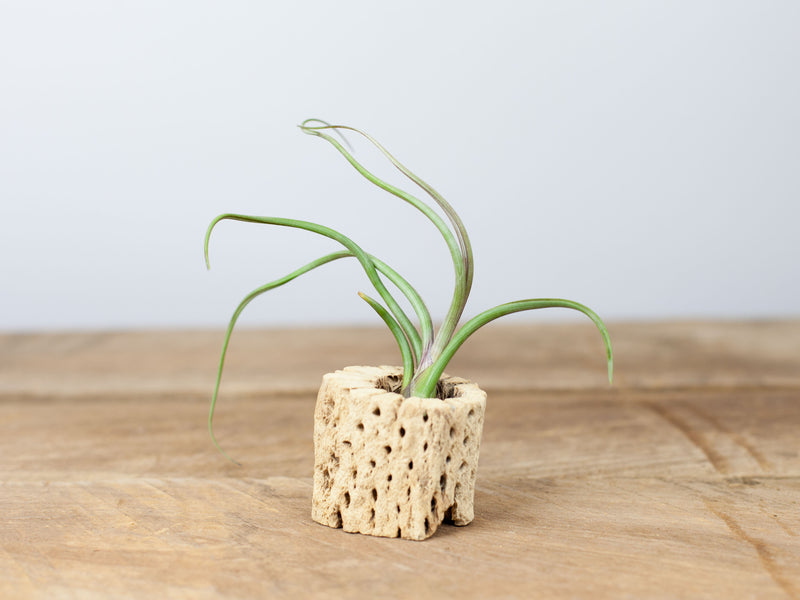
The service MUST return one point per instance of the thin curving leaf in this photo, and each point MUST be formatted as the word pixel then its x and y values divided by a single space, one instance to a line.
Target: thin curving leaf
pixel 457 308
pixel 326 125
pixel 247 299
pixel 411 294
pixel 413 297
pixel 366 262
pixel 424 382
pixel 383 268
pixel 397 332
pixel 455 220
pixel 452 215
pixel 461 290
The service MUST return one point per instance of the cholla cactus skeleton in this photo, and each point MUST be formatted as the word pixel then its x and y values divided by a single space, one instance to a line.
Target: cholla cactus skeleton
pixel 425 352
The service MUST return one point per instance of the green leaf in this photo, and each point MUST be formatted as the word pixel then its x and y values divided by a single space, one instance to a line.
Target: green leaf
pixel 366 262
pixel 391 274
pixel 397 332
pixel 424 382
pixel 456 309
pixel 247 299
pixel 462 263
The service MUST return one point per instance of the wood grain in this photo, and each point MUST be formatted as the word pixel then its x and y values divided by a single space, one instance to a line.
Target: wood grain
pixel 681 480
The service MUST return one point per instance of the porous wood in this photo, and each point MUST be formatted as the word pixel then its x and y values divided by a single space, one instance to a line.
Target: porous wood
pixel 392 466
pixel 680 481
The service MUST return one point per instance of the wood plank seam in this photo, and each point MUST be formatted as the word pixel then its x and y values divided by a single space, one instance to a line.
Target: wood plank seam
pixel 766 552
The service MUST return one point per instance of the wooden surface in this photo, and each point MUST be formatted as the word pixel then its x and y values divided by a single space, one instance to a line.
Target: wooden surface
pixel 680 481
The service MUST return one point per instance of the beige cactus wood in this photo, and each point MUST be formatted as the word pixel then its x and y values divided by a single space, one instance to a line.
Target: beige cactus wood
pixel 390 466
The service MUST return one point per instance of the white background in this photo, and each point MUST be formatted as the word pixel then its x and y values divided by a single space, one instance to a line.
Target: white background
pixel 640 157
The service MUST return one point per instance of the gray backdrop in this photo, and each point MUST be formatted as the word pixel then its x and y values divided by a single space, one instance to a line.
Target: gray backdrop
pixel 640 157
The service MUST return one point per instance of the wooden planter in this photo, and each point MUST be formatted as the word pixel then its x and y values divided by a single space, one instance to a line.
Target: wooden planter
pixel 390 466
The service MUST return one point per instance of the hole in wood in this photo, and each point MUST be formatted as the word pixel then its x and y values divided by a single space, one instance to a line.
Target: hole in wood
pixel 446 390
pixel 390 383
pixel 326 483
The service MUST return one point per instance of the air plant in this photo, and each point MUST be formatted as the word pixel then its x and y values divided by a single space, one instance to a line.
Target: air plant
pixel 425 351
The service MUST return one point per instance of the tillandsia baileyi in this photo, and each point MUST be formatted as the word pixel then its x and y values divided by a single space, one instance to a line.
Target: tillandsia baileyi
pixel 425 351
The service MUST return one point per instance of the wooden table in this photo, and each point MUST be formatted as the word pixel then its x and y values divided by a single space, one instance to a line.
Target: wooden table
pixel 680 481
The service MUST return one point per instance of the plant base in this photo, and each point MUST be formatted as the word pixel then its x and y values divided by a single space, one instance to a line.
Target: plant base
pixel 390 466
